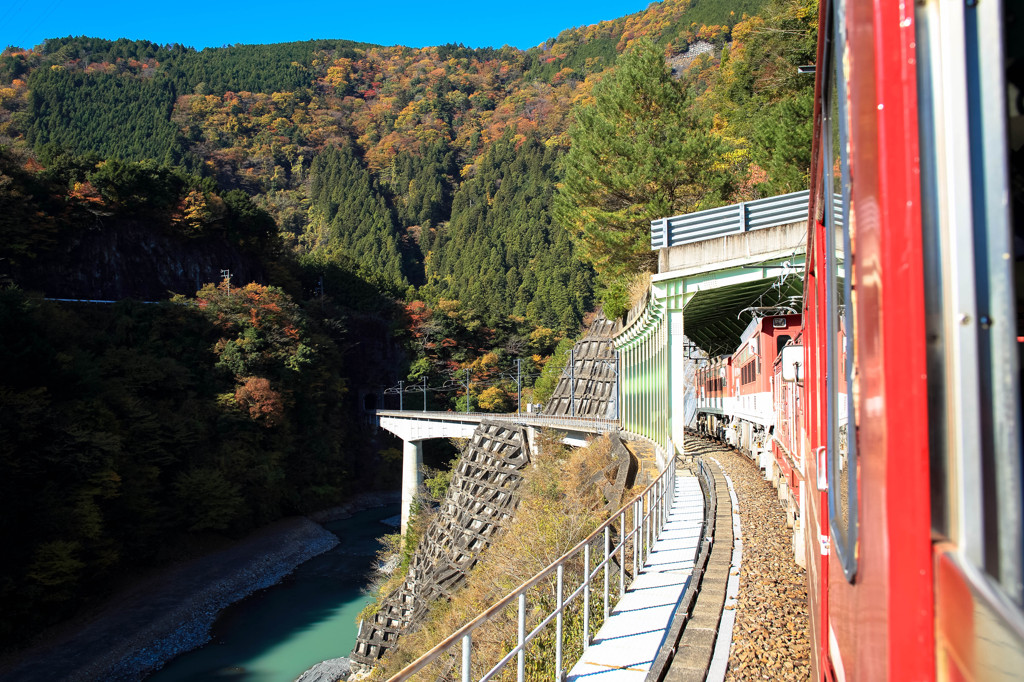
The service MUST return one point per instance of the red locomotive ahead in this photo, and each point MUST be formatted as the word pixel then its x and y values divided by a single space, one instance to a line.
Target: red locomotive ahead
pixel 899 417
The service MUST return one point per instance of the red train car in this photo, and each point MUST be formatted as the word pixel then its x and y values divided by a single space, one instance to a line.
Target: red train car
pixel 739 401
pixel 911 420
pixel 714 388
pixel 786 463
pixel 734 393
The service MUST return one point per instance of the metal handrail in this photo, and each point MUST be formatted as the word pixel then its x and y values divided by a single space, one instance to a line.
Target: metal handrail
pixel 649 511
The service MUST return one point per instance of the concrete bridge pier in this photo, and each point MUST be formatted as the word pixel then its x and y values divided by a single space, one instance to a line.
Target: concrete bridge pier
pixel 412 477
pixel 415 427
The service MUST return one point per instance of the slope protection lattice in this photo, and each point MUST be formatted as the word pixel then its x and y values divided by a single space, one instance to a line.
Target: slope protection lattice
pixel 480 501
pixel 587 387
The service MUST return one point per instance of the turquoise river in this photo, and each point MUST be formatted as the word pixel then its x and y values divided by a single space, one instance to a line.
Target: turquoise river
pixel 279 633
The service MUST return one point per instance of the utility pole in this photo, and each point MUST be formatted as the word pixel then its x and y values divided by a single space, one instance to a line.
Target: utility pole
pixel 401 391
pixel 225 278
pixel 424 392
pixel 572 381
pixel 469 405
pixel 519 384
pixel 618 385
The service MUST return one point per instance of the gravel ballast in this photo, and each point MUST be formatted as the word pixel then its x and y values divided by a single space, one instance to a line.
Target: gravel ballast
pixel 770 639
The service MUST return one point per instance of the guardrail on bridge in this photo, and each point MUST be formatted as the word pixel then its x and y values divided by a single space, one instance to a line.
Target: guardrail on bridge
pixel 726 220
pixel 584 424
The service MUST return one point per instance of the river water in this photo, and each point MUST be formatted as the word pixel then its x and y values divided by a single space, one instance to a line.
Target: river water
pixel 277 634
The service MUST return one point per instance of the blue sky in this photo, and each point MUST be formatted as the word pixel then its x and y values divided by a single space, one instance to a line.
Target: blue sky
pixel 27 23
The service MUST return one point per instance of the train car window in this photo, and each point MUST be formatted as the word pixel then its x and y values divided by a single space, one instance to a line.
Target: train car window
pixel 780 343
pixel 842 429
pixel 971 121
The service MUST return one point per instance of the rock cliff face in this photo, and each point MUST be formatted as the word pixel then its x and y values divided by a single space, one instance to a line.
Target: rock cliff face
pixel 119 259
pixel 481 500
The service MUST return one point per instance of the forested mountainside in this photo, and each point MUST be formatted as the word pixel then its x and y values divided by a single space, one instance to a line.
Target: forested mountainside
pixel 387 214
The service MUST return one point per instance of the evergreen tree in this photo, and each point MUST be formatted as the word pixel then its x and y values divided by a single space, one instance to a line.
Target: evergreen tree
pixel 502 254
pixel 422 184
pixel 349 217
pixel 639 152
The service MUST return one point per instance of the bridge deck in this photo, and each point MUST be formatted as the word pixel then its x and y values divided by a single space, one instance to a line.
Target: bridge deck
pixel 588 424
pixel 628 642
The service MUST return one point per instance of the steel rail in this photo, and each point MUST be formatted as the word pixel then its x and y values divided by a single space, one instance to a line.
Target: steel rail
pixel 649 512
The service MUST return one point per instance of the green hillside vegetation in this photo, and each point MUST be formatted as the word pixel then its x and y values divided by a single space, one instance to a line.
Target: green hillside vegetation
pixel 349 216
pixel 501 254
pixel 410 192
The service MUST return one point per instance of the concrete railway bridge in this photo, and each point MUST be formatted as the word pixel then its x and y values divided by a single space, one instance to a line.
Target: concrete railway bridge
pixel 716 268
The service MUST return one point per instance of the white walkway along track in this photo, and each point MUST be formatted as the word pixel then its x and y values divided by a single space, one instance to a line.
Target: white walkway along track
pixel 644 541
pixel 628 642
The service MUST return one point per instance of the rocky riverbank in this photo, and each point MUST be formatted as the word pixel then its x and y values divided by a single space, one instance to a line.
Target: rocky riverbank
pixel 173 610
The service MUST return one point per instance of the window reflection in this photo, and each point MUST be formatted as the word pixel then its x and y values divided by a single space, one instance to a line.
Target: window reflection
pixel 842 445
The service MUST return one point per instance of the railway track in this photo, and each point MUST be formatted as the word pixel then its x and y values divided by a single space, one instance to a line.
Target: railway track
pixel 769 640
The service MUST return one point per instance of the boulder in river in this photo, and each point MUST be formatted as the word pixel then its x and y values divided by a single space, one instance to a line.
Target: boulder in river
pixel 327 671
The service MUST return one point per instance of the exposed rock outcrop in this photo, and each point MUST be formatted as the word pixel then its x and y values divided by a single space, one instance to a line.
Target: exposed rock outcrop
pixel 119 259
pixel 327 671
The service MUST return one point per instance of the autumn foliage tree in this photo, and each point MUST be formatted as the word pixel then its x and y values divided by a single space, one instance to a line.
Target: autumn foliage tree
pixel 262 330
pixel 263 403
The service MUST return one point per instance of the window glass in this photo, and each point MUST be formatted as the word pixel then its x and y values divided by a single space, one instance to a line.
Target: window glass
pixel 842 440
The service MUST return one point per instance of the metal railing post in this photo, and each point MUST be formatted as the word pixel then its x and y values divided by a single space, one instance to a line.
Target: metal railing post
pixel 663 507
pixel 649 538
pixel 467 656
pixel 607 567
pixel 521 672
pixel 558 625
pixel 636 539
pixel 586 596
pixel 655 504
pixel 659 496
pixel 622 554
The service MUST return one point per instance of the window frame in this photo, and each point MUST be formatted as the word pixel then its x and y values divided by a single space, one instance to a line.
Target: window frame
pixel 844 539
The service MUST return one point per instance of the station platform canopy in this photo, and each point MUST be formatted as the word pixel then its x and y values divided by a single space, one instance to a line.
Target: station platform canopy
pixel 715 317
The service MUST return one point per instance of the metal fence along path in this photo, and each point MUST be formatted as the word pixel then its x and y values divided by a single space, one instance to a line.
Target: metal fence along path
pixel 628 642
pixel 638 528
